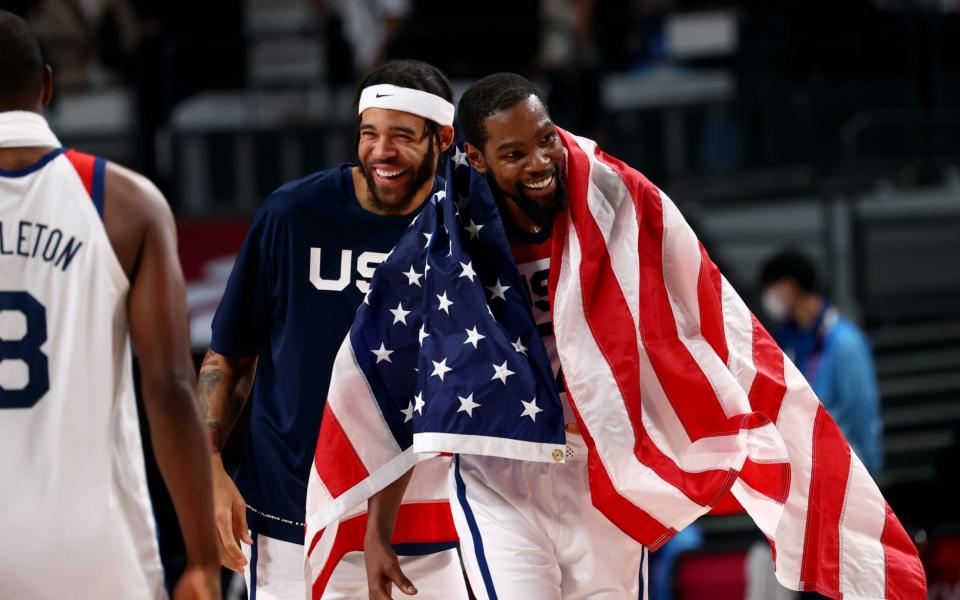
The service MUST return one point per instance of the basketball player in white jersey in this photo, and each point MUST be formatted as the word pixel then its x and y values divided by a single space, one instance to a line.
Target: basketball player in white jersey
pixel 88 263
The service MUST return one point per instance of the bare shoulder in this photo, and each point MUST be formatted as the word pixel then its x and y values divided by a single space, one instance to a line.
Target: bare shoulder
pixel 131 192
pixel 133 209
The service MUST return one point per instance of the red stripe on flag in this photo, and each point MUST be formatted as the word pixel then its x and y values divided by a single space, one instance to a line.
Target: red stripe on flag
pixel 611 323
pixel 417 523
pixel 349 538
pixel 903 567
pixel 769 387
pixel 820 566
pixel 770 479
pixel 341 468
pixel 710 299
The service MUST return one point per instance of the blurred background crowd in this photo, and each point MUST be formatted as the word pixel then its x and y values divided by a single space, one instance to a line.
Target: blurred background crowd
pixel 829 129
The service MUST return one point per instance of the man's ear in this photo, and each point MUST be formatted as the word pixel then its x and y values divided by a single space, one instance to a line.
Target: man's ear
pixel 446 137
pixel 47 94
pixel 476 158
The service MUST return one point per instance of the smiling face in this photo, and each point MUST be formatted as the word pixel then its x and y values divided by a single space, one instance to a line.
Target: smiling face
pixel 398 157
pixel 523 155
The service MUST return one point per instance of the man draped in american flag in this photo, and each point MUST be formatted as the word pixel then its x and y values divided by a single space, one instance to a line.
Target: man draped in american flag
pixel 545 252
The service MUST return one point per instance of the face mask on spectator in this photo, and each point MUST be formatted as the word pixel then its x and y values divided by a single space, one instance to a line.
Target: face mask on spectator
pixel 774 305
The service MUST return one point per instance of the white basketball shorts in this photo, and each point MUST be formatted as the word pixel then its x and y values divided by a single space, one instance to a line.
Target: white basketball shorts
pixel 528 531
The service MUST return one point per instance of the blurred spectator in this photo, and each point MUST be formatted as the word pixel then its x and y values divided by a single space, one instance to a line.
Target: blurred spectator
pixel 88 42
pixel 831 352
pixel 367 26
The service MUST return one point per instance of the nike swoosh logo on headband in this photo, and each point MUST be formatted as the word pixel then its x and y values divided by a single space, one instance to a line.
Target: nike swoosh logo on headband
pixel 383 95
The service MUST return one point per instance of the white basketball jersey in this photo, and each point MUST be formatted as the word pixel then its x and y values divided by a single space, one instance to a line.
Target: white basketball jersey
pixel 75 514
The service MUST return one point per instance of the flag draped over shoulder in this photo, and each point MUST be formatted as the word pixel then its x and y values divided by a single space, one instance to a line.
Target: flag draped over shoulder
pixel 683 398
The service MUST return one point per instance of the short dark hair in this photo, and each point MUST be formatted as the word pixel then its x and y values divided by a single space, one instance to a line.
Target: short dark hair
pixel 492 94
pixel 792 264
pixel 21 63
pixel 413 74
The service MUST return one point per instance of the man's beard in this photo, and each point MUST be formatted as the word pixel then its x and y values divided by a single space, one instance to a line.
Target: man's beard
pixel 539 213
pixel 422 174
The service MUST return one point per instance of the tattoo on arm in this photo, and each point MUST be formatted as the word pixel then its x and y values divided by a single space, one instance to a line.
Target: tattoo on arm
pixel 220 403
pixel 214 436
pixel 208 381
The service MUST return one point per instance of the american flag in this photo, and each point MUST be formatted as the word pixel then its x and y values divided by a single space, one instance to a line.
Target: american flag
pixel 685 402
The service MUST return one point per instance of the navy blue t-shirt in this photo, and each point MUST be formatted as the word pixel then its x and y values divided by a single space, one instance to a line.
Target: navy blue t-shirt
pixel 304 268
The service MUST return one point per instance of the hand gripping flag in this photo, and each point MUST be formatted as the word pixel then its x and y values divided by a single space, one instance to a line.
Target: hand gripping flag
pixel 683 398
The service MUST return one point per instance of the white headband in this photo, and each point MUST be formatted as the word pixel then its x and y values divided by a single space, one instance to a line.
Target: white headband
pixel 423 104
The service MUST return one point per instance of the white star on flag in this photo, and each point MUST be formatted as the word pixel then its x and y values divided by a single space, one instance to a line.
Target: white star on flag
pixel 423 334
pixel 428 236
pixel 473 229
pixel 519 347
pixel 407 412
pixel 473 336
pixel 440 368
pixel 501 372
pixel 445 303
pixel 467 404
pixel 418 403
pixel 399 315
pixel 498 290
pixel 440 195
pixel 459 157
pixel 530 409
pixel 382 354
pixel 468 271
pixel 413 278
pixel 414 221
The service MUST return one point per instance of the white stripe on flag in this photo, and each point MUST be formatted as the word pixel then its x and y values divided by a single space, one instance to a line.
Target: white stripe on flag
pixel 738 331
pixel 435 441
pixel 379 479
pixel 862 562
pixel 796 419
pixel 765 512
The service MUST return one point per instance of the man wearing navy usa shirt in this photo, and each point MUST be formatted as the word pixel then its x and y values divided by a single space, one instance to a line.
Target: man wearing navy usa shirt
pixel 303 269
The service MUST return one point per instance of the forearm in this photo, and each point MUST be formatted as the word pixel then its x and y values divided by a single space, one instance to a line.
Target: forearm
pixel 382 510
pixel 222 389
pixel 178 442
